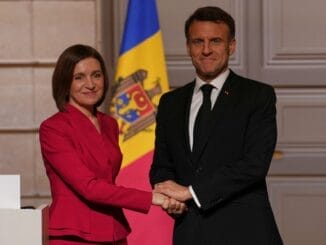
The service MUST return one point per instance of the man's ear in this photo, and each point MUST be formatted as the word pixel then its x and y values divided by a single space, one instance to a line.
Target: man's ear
pixel 232 46
pixel 188 48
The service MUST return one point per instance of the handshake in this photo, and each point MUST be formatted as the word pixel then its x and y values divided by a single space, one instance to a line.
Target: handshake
pixel 171 197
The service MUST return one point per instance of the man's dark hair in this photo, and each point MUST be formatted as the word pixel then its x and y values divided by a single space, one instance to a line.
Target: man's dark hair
pixel 214 14
pixel 63 72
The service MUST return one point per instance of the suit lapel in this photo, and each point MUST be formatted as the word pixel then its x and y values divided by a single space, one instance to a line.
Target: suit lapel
pixel 223 101
pixel 186 107
pixel 90 140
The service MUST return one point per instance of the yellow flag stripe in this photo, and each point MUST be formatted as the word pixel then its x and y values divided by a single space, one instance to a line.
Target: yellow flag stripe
pixel 148 56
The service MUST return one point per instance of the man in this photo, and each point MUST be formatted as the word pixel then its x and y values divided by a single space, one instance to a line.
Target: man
pixel 218 169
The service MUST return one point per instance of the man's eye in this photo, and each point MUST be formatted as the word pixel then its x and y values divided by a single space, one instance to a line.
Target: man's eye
pixel 215 41
pixel 197 42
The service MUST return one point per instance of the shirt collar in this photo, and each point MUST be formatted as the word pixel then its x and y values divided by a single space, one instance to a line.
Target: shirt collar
pixel 216 82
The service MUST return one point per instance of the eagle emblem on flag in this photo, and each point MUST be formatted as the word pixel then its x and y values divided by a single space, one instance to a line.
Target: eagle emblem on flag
pixel 132 105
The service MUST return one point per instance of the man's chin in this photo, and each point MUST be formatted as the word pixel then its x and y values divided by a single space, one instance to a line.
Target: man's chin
pixel 207 76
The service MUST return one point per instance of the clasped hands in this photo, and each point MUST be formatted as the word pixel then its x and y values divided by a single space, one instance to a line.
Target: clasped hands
pixel 171 196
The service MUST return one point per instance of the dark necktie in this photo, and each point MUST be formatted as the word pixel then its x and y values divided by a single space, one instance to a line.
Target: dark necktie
pixel 202 118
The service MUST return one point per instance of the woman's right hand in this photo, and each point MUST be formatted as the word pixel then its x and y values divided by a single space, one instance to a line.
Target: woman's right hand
pixel 171 205
pixel 159 199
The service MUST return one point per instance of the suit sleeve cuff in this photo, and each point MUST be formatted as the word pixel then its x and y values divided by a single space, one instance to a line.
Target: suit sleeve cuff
pixel 194 196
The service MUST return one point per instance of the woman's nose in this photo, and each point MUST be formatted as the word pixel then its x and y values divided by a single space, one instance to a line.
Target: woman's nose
pixel 90 83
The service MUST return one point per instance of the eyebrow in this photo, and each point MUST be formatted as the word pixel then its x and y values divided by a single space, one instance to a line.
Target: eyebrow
pixel 82 73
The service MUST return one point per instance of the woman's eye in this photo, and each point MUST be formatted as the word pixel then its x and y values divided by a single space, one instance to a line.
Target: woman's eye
pixel 98 75
pixel 77 77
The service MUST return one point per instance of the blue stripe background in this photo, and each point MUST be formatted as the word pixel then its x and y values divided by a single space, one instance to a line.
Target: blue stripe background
pixel 141 23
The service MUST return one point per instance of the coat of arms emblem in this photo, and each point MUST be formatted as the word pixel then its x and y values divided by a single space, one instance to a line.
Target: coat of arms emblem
pixel 132 105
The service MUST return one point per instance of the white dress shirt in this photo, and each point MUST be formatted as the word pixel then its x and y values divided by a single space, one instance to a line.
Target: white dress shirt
pixel 196 101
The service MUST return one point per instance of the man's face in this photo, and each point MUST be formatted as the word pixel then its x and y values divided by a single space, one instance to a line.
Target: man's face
pixel 209 46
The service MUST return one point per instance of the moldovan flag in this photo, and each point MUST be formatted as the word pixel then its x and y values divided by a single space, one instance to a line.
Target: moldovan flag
pixel 140 80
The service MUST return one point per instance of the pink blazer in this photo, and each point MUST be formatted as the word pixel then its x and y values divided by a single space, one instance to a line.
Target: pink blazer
pixel 82 165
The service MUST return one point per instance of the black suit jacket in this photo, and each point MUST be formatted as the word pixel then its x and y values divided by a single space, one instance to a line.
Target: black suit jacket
pixel 228 172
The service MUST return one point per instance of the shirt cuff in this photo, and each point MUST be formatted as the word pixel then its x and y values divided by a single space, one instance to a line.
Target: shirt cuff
pixel 193 194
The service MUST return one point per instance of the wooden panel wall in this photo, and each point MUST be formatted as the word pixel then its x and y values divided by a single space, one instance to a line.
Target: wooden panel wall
pixel 281 42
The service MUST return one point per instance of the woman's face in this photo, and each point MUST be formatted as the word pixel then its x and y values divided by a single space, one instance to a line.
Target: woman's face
pixel 87 84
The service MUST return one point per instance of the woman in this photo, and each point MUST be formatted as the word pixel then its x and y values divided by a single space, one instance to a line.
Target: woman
pixel 82 158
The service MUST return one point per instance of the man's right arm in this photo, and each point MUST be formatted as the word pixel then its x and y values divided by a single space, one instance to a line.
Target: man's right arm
pixel 162 167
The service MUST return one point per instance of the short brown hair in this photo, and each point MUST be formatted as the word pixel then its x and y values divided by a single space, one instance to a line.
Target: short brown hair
pixel 63 72
pixel 214 14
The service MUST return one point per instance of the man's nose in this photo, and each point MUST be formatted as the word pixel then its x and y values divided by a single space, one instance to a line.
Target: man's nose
pixel 206 48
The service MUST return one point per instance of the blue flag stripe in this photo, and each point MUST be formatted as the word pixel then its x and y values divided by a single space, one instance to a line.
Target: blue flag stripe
pixel 141 23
